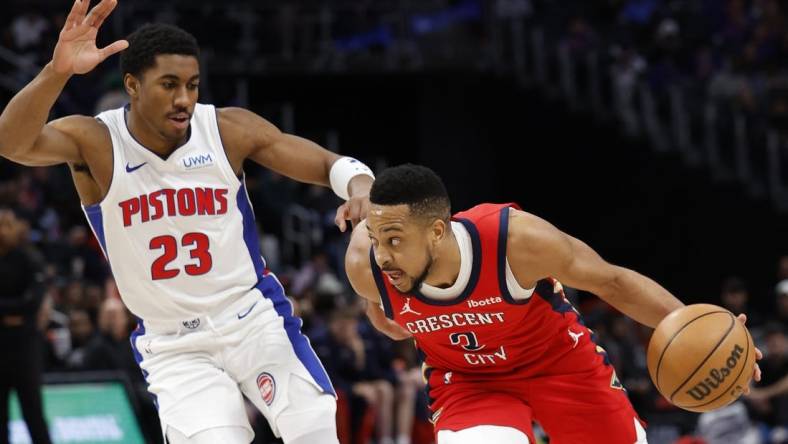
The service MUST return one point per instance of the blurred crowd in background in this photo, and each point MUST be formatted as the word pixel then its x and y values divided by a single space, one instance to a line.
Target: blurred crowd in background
pixel 729 51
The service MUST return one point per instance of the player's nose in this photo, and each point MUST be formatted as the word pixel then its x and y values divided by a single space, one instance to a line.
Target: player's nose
pixel 181 98
pixel 382 258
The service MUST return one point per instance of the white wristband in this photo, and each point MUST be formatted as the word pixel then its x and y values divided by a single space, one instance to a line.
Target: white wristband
pixel 343 171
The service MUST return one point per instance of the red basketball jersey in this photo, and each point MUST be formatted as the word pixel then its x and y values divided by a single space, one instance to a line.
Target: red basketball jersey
pixel 485 330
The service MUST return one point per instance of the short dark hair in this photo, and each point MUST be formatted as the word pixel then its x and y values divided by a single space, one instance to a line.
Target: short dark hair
pixel 414 185
pixel 151 40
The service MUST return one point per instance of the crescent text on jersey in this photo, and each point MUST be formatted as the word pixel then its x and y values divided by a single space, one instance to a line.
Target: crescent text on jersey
pixel 440 322
pixel 171 202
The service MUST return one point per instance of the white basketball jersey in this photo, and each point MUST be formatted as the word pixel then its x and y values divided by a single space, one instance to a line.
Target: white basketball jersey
pixel 179 233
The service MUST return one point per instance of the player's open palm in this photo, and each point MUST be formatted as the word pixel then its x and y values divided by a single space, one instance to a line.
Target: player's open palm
pixel 76 51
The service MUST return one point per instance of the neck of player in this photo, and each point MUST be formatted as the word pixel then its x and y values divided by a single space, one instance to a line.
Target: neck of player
pixel 446 261
pixel 150 138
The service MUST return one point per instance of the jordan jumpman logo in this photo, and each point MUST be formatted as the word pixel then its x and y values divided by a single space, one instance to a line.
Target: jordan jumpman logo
pixel 406 308
pixel 575 336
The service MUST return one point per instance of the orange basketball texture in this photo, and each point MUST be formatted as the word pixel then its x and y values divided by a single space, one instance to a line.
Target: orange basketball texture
pixel 701 357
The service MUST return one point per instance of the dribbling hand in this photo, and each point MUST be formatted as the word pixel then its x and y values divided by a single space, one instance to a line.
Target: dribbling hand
pixel 756 375
pixel 76 51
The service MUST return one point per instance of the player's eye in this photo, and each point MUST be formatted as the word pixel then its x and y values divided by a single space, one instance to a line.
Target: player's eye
pixel 168 85
pixel 193 86
pixel 395 241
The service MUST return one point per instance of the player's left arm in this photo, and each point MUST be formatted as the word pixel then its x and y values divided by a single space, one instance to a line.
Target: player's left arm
pixel 249 136
pixel 536 249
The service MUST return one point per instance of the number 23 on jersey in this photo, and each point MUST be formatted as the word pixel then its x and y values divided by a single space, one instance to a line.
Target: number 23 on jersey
pixel 196 244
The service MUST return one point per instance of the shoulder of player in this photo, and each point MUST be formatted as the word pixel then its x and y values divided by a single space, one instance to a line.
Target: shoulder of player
pixel 521 229
pixel 89 134
pixel 85 131
pixel 532 244
pixel 358 266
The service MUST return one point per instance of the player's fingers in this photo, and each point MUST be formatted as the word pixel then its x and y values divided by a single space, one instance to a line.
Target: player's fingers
pixel 364 209
pixel 758 354
pixel 341 217
pixel 356 210
pixel 757 375
pixel 104 13
pixel 78 28
pixel 100 12
pixel 113 48
pixel 743 318
pixel 74 15
pixel 82 9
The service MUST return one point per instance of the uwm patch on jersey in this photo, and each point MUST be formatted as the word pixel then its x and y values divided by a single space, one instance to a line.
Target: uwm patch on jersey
pixel 486 328
pixel 198 160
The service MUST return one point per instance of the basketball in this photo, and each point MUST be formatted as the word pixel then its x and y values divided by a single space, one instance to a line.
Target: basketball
pixel 701 357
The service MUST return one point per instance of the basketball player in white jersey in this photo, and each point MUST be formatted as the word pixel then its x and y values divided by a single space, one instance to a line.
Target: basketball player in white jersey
pixel 161 183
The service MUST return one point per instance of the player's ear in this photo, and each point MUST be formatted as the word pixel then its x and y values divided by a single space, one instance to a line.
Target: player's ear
pixel 132 85
pixel 438 230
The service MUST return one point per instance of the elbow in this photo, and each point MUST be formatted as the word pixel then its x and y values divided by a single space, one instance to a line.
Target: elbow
pixel 12 151
pixel 8 149
pixel 14 155
pixel 397 335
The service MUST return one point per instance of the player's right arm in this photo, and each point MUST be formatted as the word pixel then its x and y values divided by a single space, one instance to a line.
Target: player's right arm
pixel 25 137
pixel 359 271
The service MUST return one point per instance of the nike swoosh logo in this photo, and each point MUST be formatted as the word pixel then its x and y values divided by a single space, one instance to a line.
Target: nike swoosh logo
pixel 246 313
pixel 130 169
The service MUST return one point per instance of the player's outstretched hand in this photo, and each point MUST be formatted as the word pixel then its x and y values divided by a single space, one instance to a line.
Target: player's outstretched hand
pixel 354 210
pixel 76 51
pixel 756 375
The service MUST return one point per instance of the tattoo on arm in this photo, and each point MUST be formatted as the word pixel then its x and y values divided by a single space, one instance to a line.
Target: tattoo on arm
pixel 80 168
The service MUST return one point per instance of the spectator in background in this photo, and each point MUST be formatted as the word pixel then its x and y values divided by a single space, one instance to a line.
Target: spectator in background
pixel 28 31
pixel 76 258
pixel 82 331
pixel 114 95
pixel 74 294
pixel 54 324
pixel 769 403
pixel 272 193
pixel 728 425
pixel 782 266
pixel 20 300
pixel 315 274
pixel 629 359
pixel 110 349
pixel 354 369
pixel 735 297
pixel 409 387
pixel 781 301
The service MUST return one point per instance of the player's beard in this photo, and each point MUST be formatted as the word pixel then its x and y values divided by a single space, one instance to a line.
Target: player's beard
pixel 419 280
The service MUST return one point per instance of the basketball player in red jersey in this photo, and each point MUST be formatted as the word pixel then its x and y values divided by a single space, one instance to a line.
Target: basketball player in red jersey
pixel 481 294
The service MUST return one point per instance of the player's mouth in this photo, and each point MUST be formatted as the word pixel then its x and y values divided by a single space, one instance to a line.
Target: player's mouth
pixel 179 120
pixel 395 276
